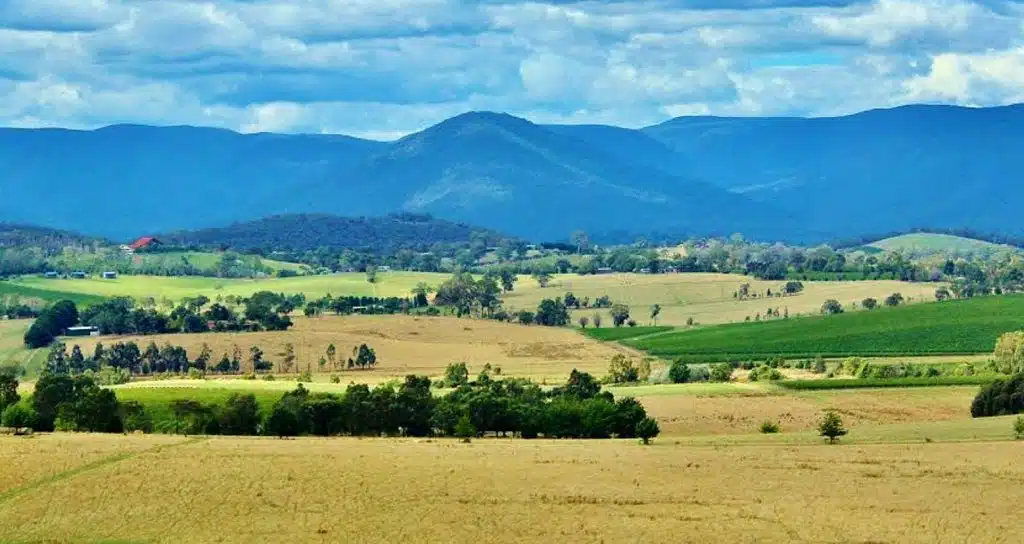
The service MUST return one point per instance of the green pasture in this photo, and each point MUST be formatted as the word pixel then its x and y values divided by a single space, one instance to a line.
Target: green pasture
pixel 388 284
pixel 924 241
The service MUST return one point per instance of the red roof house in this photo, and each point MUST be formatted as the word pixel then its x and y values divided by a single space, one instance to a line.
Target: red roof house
pixel 144 243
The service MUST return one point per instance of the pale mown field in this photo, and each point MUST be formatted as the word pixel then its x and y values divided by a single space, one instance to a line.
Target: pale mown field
pixel 707 298
pixel 729 409
pixel 410 345
pixel 391 490
pixel 389 284
pixel 12 344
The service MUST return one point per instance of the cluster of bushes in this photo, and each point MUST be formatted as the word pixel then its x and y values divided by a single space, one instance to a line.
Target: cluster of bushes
pixel 51 323
pixel 1000 398
pixel 65 403
pixel 367 305
pixel 510 407
pixel 120 315
pixel 13 308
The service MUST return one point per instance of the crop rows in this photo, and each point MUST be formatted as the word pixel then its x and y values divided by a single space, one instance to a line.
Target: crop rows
pixel 950 328
pixel 865 383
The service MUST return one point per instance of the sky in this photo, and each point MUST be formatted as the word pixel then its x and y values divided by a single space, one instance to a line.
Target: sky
pixel 381 69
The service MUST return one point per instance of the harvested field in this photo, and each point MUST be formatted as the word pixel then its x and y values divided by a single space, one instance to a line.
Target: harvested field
pixel 707 298
pixel 344 490
pixel 412 345
pixel 743 410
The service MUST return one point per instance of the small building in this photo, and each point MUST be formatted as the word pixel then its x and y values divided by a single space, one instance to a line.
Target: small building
pixel 82 331
pixel 110 275
pixel 384 268
pixel 604 270
pixel 51 275
pixel 145 243
pixel 78 275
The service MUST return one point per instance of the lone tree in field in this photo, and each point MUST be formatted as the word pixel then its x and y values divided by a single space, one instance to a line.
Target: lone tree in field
pixel 831 427
pixel 584 321
pixel 464 429
pixel 646 430
pixel 620 314
pixel 894 299
pixel 597 321
pixel 371 274
pixel 869 303
pixel 542 278
pixel 655 312
pixel 942 293
pixel 332 356
pixel 831 307
pixel 287 357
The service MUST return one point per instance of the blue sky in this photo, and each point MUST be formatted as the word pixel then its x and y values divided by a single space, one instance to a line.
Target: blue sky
pixel 384 68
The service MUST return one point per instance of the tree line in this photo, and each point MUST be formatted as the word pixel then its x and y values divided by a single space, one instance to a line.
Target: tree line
pixel 506 408
pixel 263 311
pixel 122 360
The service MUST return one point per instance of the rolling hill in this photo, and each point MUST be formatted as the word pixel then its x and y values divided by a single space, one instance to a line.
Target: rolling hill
pixel 307 232
pixel 932 242
pixel 790 179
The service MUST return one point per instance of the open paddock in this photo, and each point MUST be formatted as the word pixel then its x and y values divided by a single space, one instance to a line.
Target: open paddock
pixel 388 490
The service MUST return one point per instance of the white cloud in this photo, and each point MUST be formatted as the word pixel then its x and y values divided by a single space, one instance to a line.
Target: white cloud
pixel 387 67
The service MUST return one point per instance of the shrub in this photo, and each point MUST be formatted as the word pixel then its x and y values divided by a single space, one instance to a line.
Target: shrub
pixel 831 307
pixel 109 375
pixel 631 322
pixel 196 374
pixel 335 378
pixel 722 372
pixel 764 372
pixel 679 372
pixel 769 427
pixel 869 303
pixel 464 429
pixel 819 365
pixel 1018 428
pixel 269 378
pixel 1000 398
pixel 18 415
pixel 894 299
pixel 305 376
pixel 647 429
pixel 831 426
pixel 135 418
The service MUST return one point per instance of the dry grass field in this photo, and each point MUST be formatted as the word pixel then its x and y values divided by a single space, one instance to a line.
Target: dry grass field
pixel 411 345
pixel 707 298
pixel 391 490
pixel 741 408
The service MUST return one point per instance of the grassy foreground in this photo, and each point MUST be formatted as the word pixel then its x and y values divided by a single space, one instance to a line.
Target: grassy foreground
pixel 948 328
pixel 118 488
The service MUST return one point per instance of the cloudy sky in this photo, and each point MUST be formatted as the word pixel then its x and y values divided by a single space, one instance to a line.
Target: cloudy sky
pixel 384 68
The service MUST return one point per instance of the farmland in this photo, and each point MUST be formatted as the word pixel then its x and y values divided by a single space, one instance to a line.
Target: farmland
pixel 145 488
pixel 12 347
pixel 175 288
pixel 411 345
pixel 706 298
pixel 955 327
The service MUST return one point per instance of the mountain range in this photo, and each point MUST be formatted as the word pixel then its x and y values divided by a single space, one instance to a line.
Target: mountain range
pixel 788 179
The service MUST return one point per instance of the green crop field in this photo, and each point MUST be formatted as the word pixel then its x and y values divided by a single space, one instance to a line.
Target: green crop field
pixel 614 334
pixel 949 328
pixel 28 291
pixel 874 383
pixel 388 284
pixel 924 241
pixel 157 400
pixel 209 260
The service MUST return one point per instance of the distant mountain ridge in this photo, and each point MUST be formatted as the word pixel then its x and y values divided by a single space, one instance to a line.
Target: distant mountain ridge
pixel 789 179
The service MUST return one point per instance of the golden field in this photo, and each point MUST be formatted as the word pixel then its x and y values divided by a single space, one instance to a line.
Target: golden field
pixel 409 345
pixel 395 490
pixel 707 298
